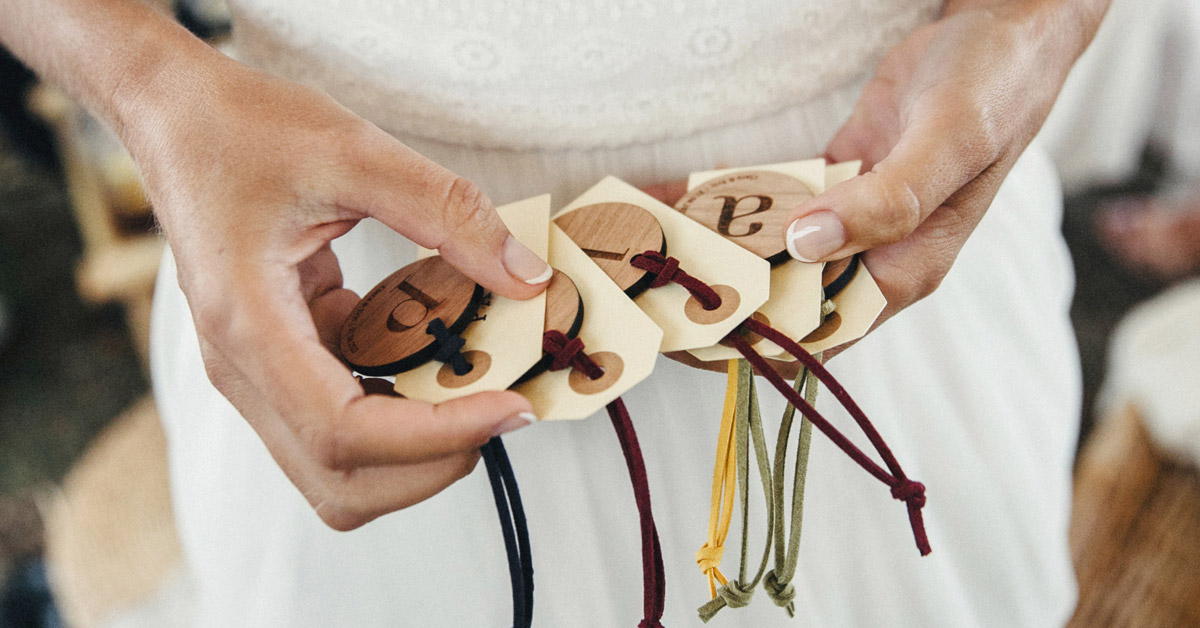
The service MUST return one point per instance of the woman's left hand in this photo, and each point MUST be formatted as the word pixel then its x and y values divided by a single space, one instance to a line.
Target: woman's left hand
pixel 946 115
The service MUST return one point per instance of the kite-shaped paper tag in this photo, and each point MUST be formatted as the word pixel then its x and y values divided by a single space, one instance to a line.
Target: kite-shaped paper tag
pixel 439 333
pixel 750 206
pixel 613 222
pixel 616 335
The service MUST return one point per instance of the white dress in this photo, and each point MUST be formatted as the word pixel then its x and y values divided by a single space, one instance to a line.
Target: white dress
pixel 976 388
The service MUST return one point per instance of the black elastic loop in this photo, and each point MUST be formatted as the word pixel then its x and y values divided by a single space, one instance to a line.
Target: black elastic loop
pixel 449 347
pixel 843 279
pixel 514 528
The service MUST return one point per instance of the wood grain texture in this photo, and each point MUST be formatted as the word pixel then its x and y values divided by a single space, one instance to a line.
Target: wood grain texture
pixel 385 333
pixel 611 234
pixel 564 308
pixel 751 208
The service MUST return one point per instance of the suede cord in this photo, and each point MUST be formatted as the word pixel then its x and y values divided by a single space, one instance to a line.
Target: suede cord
pixel 724 485
pixel 514 528
pixel 666 270
pixel 506 494
pixel 569 353
pixel 738 593
pixel 508 506
pixel 448 347
pixel 911 492
pixel 778 581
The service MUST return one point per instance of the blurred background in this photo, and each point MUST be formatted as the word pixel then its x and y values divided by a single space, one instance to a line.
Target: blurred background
pixel 86 536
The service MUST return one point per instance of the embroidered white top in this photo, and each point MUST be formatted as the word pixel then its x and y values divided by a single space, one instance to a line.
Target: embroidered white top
pixel 570 74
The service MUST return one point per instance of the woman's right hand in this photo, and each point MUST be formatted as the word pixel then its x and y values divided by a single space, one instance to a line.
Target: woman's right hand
pixel 251 178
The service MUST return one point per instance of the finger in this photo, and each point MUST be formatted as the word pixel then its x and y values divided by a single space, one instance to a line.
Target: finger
pixel 348 501
pixel 270 338
pixel 937 155
pixel 441 210
pixel 330 311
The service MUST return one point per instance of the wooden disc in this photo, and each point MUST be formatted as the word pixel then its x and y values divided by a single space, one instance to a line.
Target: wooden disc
pixel 751 208
pixel 385 333
pixel 564 306
pixel 564 313
pixel 611 234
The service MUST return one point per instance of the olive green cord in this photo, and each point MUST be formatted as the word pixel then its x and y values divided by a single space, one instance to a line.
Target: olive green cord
pixel 778 581
pixel 738 593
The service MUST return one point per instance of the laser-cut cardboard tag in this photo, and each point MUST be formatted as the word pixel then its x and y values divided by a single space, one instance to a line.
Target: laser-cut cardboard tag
pixel 616 335
pixel 750 206
pixel 505 339
pixel 741 278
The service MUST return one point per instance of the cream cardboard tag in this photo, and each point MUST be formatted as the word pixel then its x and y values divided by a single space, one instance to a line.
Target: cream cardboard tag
pixel 795 304
pixel 615 333
pixel 505 339
pixel 859 303
pixel 741 278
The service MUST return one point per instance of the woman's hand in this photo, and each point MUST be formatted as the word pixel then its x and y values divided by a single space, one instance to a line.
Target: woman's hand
pixel 251 178
pixel 938 128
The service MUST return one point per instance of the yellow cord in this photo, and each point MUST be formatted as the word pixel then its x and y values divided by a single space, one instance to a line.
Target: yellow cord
pixel 708 557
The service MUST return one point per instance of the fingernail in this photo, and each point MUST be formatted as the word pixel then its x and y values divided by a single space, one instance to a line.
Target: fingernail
pixel 815 236
pixel 515 422
pixel 524 264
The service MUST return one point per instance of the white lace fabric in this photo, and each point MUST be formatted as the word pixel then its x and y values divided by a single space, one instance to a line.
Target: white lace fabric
pixel 546 74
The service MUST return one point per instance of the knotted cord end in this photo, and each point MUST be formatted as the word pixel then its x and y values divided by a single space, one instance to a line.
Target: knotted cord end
pixel 912 493
pixel 666 269
pixel 449 347
pixel 568 352
pixel 708 558
pixel 782 593
pixel 650 623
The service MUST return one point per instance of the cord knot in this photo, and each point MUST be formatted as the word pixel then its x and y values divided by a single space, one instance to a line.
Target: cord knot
pixel 449 347
pixel 650 623
pixel 568 352
pixel 708 557
pixel 666 270
pixel 911 492
pixel 735 595
pixel 783 594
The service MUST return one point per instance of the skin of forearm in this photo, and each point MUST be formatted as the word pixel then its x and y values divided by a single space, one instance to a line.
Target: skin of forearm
pixel 1070 23
pixel 120 58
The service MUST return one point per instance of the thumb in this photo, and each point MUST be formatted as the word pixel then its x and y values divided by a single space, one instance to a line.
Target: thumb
pixel 440 210
pixel 932 160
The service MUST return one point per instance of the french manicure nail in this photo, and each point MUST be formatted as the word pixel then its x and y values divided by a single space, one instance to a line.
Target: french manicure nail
pixel 515 422
pixel 524 264
pixel 817 235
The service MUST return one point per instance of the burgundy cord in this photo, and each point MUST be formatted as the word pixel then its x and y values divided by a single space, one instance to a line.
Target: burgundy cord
pixel 666 270
pixel 912 493
pixel 568 353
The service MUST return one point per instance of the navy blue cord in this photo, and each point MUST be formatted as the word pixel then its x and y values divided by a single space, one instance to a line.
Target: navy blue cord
pixel 514 528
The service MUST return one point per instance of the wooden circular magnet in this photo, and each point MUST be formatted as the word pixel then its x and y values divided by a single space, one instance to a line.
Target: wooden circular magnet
pixel 751 208
pixel 611 234
pixel 385 333
pixel 564 305
pixel 564 313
